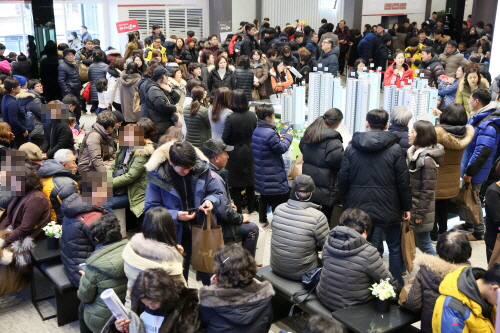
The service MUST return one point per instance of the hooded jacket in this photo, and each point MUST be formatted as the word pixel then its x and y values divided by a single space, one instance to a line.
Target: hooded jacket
pixel 423 164
pixel 454 140
pixel 374 177
pixel 417 55
pixel 128 89
pixel 391 78
pixel 161 191
pixel 261 72
pixel 402 132
pixel 211 49
pixel 453 61
pixel 135 177
pixel 13 115
pixel 330 60
pixel 432 69
pixel 180 89
pixel 235 310
pixel 96 148
pixel 462 96
pixel 480 153
pixel 69 78
pixel 31 101
pixel 249 43
pixel 198 126
pixel 300 229
pixel 460 308
pixel 268 148
pixel 215 82
pixel 97 70
pixel 143 253
pixel 76 245
pixel 58 184
pixel 425 288
pixel 58 135
pixel 322 162
pixel 104 270
pixel 350 266
pixel 113 92
pixel 365 47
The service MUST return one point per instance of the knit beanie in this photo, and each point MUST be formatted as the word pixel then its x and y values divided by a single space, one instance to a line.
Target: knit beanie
pixel 21 79
pixel 189 40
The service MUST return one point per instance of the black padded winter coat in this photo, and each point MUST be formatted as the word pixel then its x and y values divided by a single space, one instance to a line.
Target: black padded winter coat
pixel 215 81
pixel 97 71
pixel 69 78
pixel 244 81
pixel 402 133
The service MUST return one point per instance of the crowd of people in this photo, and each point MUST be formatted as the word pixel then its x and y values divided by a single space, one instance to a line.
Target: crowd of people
pixel 174 140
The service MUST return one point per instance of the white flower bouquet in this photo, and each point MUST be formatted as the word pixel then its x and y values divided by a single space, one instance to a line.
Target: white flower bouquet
pixel 53 230
pixel 383 290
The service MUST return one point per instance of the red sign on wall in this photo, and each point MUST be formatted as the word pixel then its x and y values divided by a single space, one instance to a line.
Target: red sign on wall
pixel 127 26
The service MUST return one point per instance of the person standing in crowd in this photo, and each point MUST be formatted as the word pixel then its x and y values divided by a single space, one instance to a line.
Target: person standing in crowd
pixel 365 47
pixel 128 89
pixel 156 32
pixel 84 55
pixel 383 192
pixel 453 251
pixel 178 84
pixel 49 72
pixel 472 80
pixel 452 58
pixel 191 48
pixel 342 33
pixel 424 158
pixel 221 76
pixel 171 167
pixel 181 53
pixel 21 67
pixel 384 53
pixel 58 134
pixel 399 73
pixel 449 92
pixel 239 126
pixel 413 54
pixel 288 58
pixel 492 219
pixel 268 147
pixel 249 43
pixel 74 42
pixel 85 33
pixel 207 60
pixel 97 70
pixel 196 118
pixel 430 66
pixel 440 41
pixel 321 146
pixel 218 111
pixel 322 29
pixel 280 76
pixel 113 76
pixel 12 113
pixel 312 45
pixel 104 270
pixel 399 118
pixel 292 253
pixel 353 54
pixel 377 40
pixel 480 154
pixel 244 76
pixel 31 100
pixel 454 134
pixel 329 34
pixel 68 74
pixel 212 45
pixel 233 286
pixel 258 65
pixel 156 46
pixel 329 61
pixel 347 253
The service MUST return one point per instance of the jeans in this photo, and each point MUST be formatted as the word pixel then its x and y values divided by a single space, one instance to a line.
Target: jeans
pixel 423 241
pixel 477 227
pixel 250 233
pixel 271 200
pixel 393 239
pixel 118 202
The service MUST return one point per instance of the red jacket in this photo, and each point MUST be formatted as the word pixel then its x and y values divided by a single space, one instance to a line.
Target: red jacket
pixel 389 75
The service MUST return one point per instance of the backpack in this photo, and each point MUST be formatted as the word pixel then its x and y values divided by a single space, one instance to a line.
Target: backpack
pixel 136 104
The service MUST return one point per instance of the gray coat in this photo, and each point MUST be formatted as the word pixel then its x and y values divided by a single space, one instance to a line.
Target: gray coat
pixel 128 88
pixel 299 230
pixel 423 166
pixel 97 71
pixel 350 266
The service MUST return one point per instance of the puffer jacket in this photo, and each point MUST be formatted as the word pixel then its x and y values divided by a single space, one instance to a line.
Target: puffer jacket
pixel 143 253
pixel 215 82
pixel 184 55
pixel 383 191
pixel 348 257
pixel 244 81
pixel 454 140
pixel 57 136
pixel 330 60
pixel 198 126
pixel 157 104
pixel 69 78
pixel 423 164
pixel 96 148
pixel 97 70
pixel 322 162
pixel 104 270
pixel 453 61
pixel 365 47
pixel 161 190
pixel 231 310
pixel 425 287
pixel 76 244
pixel 261 72
pixel 432 69
pixel 402 133
pixel 449 93
pixel 135 177
pixel 269 167
pixel 299 230
pixel 480 153
pixel 13 115
pixel 460 308
pixel 390 78
pixel 180 89
pixel 417 55
pixel 31 101
pixel 58 184
pixel 128 88
pixel 113 92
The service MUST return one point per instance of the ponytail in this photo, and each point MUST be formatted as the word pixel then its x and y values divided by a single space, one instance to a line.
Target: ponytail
pixel 197 95
pixel 195 106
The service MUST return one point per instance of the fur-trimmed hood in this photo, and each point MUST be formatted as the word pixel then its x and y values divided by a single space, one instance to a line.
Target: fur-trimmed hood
pixel 214 296
pixel 450 141
pixel 436 265
pixel 148 150
pixel 484 84
pixel 179 85
pixel 161 154
pixel 26 94
pixel 153 250
pixel 418 155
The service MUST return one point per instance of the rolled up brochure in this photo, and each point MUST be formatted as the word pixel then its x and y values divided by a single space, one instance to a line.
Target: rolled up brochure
pixel 114 304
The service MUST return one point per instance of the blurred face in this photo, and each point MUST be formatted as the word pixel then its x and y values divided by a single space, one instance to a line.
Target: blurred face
pixel 131 136
pixel 180 170
pixel 222 64
pixel 211 60
pixel 271 119
pixel 426 56
pixel 178 76
pixel 341 24
pixel 281 67
pixel 412 136
pixel 157 31
pixel 315 38
pixel 158 58
pixel 459 73
pixel 422 36
pixel 473 79
pixel 89 46
pixel 272 58
pixel 138 61
pixel 179 43
pixel 224 54
pixel 449 49
pixel 360 66
pixel 251 32
pixel 220 161
pixel 380 30
pixel 480 49
pixel 152 304
pixel 83 30
pixel 71 165
pixel 326 46
pixel 396 26
pixel 71 37
pixel 100 194
pixel 299 39
pixel 70 57
pixel 437 36
pixel 214 41
pixel 472 30
pixel 38 88
pixel 256 56
pixel 400 59
pixel 197 71
pixel 157 43
pixel 191 45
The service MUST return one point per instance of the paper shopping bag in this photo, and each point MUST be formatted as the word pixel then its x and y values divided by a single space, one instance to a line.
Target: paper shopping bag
pixel 207 239
pixel 408 247
pixel 468 203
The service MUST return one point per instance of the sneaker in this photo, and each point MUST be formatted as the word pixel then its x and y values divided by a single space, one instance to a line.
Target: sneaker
pixel 473 238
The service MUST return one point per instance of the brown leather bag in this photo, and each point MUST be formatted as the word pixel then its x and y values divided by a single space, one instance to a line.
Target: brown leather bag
pixel 83 71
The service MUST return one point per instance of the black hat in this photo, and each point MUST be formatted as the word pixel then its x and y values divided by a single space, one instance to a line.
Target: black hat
pixel 158 72
pixel 65 52
pixel 302 183
pixel 118 115
pixel 214 147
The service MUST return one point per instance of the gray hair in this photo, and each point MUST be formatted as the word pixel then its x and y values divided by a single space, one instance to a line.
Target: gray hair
pixel 400 115
pixel 329 40
pixel 61 156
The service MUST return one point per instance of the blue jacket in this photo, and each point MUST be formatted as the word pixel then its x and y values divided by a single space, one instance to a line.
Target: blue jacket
pixel 480 152
pixel 13 115
pixel 449 93
pixel 313 48
pixel 365 47
pixel 267 148
pixel 330 60
pixel 205 185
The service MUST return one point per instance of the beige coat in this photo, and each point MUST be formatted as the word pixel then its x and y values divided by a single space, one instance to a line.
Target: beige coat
pixel 97 147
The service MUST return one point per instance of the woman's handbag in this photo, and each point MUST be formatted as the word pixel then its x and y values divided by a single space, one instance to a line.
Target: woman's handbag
pixel 408 246
pixel 207 239
pixel 255 94
pixel 468 203
pixel 310 280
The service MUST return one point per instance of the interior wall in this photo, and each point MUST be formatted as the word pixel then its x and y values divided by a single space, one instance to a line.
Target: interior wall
pixel 243 10
pixel 373 10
